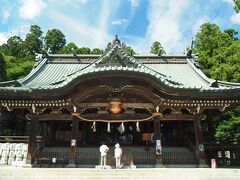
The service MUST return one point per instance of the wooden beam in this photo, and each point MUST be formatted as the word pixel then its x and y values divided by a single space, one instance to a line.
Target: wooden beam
pixel 125 105
pixel 52 117
pixel 112 117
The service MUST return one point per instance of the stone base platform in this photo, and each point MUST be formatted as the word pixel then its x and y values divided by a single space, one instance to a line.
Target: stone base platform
pixel 7 173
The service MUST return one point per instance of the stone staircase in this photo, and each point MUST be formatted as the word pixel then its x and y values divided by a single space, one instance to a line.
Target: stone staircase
pixel 139 156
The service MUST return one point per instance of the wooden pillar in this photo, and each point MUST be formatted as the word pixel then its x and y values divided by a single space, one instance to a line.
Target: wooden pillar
pixel 158 143
pixel 74 136
pixel 32 144
pixel 211 126
pixel 200 151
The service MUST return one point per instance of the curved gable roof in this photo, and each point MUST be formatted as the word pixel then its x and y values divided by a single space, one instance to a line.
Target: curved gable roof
pixel 57 71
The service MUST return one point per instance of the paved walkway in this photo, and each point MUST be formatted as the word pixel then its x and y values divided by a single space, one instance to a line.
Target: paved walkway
pixel 8 173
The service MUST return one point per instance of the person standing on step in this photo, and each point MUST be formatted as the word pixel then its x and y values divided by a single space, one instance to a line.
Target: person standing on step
pixel 117 155
pixel 103 150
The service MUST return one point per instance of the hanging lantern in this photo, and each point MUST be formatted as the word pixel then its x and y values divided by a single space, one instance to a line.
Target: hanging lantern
pixel 109 127
pixel 137 127
pixel 93 127
pixel 115 106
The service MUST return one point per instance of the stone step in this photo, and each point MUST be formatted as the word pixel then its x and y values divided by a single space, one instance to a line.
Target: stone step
pixel 77 173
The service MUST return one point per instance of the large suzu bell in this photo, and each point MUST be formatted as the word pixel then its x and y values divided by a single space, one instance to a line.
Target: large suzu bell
pixel 115 106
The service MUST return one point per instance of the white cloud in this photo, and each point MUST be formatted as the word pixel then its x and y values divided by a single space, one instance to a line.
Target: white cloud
pixel 30 9
pixel 70 1
pixel 89 36
pixel 236 18
pixel 3 38
pixel 134 3
pixel 20 31
pixel 5 15
pixel 198 23
pixel 119 21
pixel 228 1
pixel 82 1
pixel 164 26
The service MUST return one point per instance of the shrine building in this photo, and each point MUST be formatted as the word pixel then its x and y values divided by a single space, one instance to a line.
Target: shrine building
pixel 160 109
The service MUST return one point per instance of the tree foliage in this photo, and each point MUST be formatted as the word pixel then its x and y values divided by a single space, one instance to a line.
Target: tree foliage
pixel 130 50
pixel 228 127
pixel 236 5
pixel 3 73
pixel 218 52
pixel 157 49
pixel 232 33
pixel 33 41
pixel 85 50
pixel 70 48
pixel 96 51
pixel 18 67
pixel 15 47
pixel 54 40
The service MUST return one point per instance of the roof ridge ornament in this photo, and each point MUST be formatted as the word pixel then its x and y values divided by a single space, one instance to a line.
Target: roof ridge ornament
pixel 116 56
pixel 214 84
pixel 116 41
pixel 189 50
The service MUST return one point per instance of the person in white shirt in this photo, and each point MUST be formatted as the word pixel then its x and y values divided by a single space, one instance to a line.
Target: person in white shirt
pixel 103 150
pixel 118 154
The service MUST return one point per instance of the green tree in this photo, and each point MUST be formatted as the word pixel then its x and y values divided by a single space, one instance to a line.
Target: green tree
pixel 33 41
pixel 219 53
pixel 54 40
pixel 228 127
pixel 70 48
pixel 157 48
pixel 3 72
pixel 96 51
pixel 232 33
pixel 236 5
pixel 85 50
pixel 129 50
pixel 18 67
pixel 15 47
pixel 227 66
pixel 4 49
pixel 210 43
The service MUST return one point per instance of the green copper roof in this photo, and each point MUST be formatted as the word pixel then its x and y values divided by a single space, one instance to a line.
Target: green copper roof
pixel 57 71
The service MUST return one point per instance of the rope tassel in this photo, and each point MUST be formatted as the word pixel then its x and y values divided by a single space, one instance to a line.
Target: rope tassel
pixel 137 127
pixel 93 127
pixel 123 128
pixel 109 127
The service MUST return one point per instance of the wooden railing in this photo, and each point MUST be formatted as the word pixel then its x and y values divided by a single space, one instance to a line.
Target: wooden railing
pixel 224 154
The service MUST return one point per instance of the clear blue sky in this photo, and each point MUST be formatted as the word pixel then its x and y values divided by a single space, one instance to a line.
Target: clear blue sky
pixel 138 23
